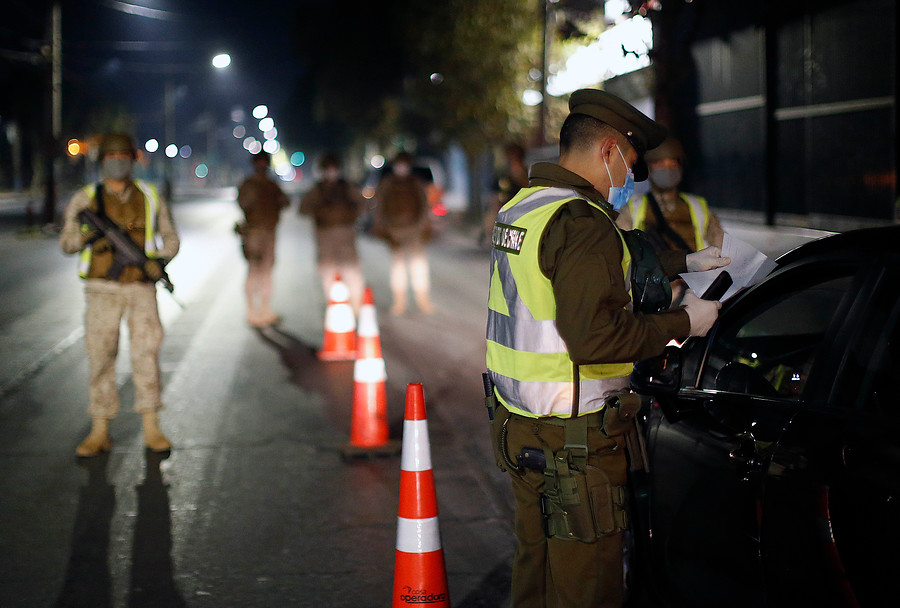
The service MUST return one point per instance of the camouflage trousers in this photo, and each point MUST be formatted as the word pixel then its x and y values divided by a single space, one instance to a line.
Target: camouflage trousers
pixel 336 256
pixel 108 302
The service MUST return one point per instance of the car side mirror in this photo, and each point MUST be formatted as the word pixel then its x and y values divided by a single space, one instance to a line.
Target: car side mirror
pixel 660 375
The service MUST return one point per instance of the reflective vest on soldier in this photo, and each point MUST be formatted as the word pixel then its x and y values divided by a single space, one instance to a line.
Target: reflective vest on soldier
pixel 526 357
pixel 697 206
pixel 152 239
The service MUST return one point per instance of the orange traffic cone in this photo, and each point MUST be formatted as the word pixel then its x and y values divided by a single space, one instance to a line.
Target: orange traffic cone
pixel 339 343
pixel 419 573
pixel 369 427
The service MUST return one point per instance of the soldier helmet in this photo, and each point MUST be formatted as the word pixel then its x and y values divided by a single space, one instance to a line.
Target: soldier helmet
pixel 670 148
pixel 116 142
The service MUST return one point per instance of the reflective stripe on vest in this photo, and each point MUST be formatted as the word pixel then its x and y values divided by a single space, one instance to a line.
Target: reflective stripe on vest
pixel 152 239
pixel 697 206
pixel 526 357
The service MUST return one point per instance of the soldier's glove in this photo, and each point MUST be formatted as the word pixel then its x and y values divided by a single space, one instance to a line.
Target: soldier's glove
pixel 153 269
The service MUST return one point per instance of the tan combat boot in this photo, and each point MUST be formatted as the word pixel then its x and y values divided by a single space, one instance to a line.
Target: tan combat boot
pixel 153 436
pixel 97 440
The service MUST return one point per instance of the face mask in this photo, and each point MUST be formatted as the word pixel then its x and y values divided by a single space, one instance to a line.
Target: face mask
pixel 117 168
pixel 619 195
pixel 665 178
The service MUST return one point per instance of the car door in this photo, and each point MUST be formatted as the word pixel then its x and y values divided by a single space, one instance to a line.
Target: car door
pixel 831 508
pixel 710 444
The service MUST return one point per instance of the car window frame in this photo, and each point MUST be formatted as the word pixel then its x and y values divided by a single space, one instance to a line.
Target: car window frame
pixel 812 272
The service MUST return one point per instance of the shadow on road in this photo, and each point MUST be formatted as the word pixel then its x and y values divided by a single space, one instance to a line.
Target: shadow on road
pixel 88 579
pixel 152 581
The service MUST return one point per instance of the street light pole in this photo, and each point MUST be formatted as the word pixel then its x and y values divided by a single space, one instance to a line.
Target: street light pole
pixel 169 128
pixel 52 161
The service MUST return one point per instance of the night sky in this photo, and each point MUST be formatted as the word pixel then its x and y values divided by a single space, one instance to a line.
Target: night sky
pixel 112 57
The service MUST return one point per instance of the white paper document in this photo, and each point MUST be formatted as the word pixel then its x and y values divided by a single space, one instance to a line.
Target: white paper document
pixel 748 266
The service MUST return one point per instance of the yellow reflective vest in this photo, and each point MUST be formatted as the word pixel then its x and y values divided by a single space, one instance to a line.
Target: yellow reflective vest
pixel 152 239
pixel 527 359
pixel 697 205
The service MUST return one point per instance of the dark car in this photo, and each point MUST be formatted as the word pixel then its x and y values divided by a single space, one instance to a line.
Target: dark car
pixel 774 442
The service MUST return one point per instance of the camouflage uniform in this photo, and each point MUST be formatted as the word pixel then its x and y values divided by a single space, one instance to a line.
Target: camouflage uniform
pixel 132 297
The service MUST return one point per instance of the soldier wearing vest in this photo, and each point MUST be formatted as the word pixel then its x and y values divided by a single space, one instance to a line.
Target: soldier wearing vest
pixel 561 341
pixel 135 206
pixel 672 219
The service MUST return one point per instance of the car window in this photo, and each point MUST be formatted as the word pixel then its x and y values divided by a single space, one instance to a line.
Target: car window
pixel 877 391
pixel 770 350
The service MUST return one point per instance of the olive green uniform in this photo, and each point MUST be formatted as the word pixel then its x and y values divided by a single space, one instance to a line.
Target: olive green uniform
pixel 334 207
pixel 582 256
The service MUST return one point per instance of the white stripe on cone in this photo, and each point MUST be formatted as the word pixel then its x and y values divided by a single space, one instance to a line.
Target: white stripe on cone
pixel 339 318
pixel 369 370
pixel 368 325
pixel 418 535
pixel 416 454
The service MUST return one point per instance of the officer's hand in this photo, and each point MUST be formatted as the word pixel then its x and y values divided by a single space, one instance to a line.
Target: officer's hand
pixel 703 313
pixel 706 259
pixel 153 269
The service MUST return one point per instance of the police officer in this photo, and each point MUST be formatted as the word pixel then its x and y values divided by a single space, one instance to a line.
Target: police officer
pixel 561 341
pixel 672 219
pixel 113 294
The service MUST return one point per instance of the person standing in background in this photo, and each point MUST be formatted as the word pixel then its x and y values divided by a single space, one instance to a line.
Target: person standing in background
pixel 672 220
pixel 334 206
pixel 261 200
pixel 401 218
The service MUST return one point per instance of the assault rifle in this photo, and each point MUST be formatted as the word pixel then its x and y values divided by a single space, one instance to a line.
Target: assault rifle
pixel 125 251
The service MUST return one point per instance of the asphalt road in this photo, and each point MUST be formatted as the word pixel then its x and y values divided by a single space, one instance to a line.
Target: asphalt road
pixel 255 506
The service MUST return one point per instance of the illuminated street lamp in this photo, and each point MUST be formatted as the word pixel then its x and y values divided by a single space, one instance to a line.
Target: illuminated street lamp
pixel 221 61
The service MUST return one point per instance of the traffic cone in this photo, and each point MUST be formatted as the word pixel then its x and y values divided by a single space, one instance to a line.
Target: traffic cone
pixel 339 343
pixel 420 576
pixel 368 426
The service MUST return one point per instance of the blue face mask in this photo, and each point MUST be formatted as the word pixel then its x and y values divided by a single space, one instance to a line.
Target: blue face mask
pixel 619 195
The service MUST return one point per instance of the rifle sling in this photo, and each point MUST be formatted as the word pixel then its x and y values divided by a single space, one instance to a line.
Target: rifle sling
pixel 664 226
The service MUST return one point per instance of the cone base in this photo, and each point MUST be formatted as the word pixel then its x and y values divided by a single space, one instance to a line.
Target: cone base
pixel 355 452
pixel 420 578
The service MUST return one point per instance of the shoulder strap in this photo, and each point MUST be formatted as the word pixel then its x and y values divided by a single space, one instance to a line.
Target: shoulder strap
pixel 99 199
pixel 579 208
pixel 664 226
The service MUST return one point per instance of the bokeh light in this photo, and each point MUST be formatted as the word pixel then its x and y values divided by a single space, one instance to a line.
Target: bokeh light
pixel 151 146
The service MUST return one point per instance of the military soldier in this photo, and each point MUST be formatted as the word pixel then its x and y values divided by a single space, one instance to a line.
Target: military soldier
pixel 562 337
pixel 401 219
pixel 261 200
pixel 114 293
pixel 672 219
pixel 334 206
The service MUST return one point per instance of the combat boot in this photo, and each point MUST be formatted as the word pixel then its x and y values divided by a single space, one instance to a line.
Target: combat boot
pixel 153 436
pixel 97 440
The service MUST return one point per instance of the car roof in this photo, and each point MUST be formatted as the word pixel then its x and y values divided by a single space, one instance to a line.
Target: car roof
pixel 864 240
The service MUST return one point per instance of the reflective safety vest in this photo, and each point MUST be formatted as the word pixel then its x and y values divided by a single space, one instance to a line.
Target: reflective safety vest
pixel 526 357
pixel 152 239
pixel 699 215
